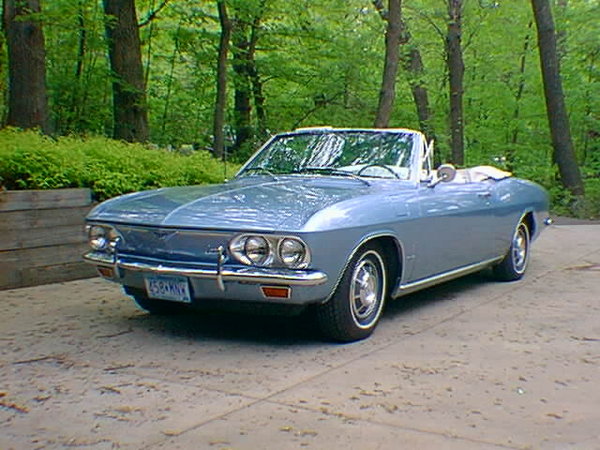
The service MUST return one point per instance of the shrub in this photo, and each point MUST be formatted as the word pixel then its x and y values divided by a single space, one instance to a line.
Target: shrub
pixel 29 160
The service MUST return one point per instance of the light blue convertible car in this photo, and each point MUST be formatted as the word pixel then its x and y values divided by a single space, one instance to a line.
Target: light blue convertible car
pixel 340 220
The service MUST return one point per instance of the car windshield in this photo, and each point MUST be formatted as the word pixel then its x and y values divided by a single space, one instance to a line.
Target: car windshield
pixel 375 154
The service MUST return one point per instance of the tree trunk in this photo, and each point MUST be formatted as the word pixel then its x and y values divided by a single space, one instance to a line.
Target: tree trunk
pixel 588 132
pixel 82 40
pixel 27 99
pixel 456 69
pixel 163 125
pixel 393 35
pixel 564 155
pixel 221 100
pixel 511 151
pixel 257 87
pixel 259 102
pixel 243 90
pixel 130 112
pixel 414 65
pixel 76 106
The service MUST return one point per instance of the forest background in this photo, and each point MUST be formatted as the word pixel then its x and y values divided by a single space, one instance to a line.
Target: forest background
pixel 216 77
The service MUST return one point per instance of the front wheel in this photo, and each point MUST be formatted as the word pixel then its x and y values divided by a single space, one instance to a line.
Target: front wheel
pixel 354 310
pixel 514 264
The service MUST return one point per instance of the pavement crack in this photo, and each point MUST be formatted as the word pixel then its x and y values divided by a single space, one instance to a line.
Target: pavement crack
pixel 120 333
pixel 354 418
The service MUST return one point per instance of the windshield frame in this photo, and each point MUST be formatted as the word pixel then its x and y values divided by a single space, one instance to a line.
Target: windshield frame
pixel 413 165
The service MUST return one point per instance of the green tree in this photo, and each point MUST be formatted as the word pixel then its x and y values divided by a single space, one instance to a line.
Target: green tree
pixel 130 114
pixel 564 155
pixel 393 37
pixel 221 100
pixel 27 98
pixel 456 70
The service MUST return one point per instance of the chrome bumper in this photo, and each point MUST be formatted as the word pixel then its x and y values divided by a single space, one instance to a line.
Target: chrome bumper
pixel 219 274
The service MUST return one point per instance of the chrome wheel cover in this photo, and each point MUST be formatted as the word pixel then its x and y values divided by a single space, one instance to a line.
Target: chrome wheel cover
pixel 520 249
pixel 367 289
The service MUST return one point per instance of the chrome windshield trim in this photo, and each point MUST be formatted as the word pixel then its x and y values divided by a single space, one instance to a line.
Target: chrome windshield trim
pixel 249 274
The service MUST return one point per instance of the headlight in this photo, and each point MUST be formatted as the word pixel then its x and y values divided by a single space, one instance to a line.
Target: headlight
pixel 292 252
pixel 113 239
pixel 103 238
pixel 257 250
pixel 270 251
pixel 98 238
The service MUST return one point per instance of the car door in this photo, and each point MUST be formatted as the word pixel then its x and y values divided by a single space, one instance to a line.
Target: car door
pixel 455 227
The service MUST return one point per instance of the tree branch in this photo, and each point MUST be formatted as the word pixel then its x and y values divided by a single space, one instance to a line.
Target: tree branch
pixel 314 109
pixel 429 20
pixel 152 14
pixel 380 7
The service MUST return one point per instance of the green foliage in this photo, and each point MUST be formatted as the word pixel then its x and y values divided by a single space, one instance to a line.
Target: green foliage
pixel 320 63
pixel 29 160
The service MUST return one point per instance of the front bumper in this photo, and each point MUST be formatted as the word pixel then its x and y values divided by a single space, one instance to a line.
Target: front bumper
pixel 255 275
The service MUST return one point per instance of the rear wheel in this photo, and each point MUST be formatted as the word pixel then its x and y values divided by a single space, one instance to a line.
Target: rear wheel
pixel 514 264
pixel 354 310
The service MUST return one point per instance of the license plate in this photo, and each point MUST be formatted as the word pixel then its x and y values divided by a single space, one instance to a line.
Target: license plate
pixel 175 289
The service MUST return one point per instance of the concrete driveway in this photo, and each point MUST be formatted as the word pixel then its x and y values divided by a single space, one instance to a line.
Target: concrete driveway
pixel 473 364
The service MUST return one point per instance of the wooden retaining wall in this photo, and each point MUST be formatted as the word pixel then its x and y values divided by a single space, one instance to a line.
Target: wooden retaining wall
pixel 42 237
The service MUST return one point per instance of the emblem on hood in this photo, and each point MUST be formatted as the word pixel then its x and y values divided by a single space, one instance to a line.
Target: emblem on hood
pixel 164 235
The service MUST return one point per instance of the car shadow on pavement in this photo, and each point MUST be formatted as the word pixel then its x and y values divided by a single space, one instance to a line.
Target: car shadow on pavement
pixel 219 325
pixel 270 328
pixel 436 294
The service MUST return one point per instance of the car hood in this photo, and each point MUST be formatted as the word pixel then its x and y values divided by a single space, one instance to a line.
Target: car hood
pixel 253 203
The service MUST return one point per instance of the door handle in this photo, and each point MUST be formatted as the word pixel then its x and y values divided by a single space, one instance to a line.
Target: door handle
pixel 484 194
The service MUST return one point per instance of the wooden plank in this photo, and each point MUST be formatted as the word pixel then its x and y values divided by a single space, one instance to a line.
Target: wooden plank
pixel 57 273
pixel 49 274
pixel 43 256
pixel 42 237
pixel 10 278
pixel 40 199
pixel 40 218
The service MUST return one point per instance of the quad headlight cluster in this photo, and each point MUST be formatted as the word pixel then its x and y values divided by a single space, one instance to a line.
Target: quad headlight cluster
pixel 265 250
pixel 103 238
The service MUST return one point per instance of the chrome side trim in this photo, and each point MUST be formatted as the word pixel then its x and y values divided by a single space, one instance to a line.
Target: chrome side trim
pixel 442 277
pixel 99 258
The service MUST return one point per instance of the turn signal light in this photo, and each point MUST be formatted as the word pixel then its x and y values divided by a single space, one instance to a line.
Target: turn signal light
pixel 276 291
pixel 106 272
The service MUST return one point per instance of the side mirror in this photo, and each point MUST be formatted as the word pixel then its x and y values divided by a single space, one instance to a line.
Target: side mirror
pixel 445 173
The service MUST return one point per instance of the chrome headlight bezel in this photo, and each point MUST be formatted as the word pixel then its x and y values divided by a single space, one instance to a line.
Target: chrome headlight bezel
pixel 293 252
pixel 258 250
pixel 275 253
pixel 103 238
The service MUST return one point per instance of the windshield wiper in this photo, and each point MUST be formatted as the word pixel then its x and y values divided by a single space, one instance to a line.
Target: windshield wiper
pixel 262 170
pixel 331 171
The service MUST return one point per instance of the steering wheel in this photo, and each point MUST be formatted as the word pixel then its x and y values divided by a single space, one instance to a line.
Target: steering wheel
pixel 383 166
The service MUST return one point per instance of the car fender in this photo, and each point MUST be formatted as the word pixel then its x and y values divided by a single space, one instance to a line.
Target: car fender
pixel 359 243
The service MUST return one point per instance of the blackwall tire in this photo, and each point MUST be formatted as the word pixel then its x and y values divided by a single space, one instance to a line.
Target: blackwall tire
pixel 514 264
pixel 353 312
